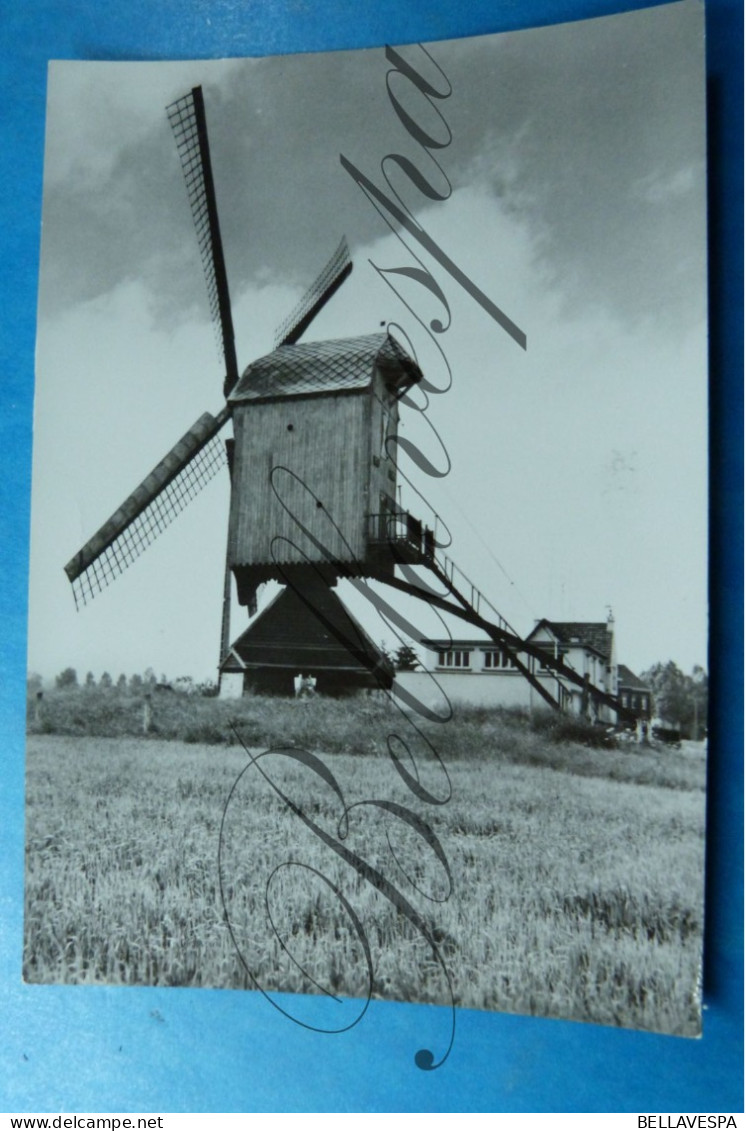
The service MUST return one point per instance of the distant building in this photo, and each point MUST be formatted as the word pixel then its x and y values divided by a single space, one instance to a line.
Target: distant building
pixel 478 672
pixel 635 695
pixel 471 671
pixel 589 648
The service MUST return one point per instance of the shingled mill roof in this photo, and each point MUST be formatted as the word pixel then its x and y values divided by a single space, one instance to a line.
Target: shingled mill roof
pixel 341 365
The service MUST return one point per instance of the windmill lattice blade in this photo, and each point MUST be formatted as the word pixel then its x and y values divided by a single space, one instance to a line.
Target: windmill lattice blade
pixel 316 297
pixel 161 496
pixel 187 118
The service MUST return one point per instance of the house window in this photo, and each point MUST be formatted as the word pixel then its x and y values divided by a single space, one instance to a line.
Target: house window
pixel 455 658
pixel 643 702
pixel 625 700
pixel 497 658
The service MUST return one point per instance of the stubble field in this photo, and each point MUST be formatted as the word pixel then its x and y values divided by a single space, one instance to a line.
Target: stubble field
pixel 556 880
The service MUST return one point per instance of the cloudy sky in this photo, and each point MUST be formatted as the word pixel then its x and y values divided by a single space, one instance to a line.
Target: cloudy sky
pixel 577 466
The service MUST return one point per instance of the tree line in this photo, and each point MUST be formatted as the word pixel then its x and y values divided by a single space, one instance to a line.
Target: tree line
pixel 136 684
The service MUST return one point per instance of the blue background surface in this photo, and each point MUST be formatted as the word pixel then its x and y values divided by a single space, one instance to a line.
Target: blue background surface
pixel 99 1049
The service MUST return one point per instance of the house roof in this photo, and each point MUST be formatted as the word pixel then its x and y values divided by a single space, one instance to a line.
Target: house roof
pixel 628 679
pixel 448 643
pixel 341 365
pixel 590 634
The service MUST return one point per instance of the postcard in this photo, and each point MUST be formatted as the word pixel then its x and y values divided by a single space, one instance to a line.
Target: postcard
pixel 368 581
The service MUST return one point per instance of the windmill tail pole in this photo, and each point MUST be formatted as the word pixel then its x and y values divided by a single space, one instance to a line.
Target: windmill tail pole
pixel 464 609
pixel 514 645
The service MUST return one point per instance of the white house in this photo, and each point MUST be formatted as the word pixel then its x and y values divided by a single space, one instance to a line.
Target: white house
pixel 477 672
pixel 587 647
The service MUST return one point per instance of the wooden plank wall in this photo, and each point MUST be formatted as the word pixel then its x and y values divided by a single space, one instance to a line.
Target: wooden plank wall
pixel 383 473
pixel 303 449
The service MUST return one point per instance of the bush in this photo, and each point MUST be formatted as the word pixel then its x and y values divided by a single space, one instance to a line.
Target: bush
pixel 207 734
pixel 67 678
pixel 572 728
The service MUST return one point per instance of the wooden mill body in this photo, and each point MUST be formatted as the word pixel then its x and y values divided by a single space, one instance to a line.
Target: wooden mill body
pixel 313 468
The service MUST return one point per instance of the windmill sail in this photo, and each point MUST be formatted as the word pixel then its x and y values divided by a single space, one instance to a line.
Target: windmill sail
pixel 187 118
pixel 316 297
pixel 161 496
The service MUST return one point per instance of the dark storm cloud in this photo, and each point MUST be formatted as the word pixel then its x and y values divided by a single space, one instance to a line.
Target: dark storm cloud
pixel 276 131
pixel 589 134
pixel 595 137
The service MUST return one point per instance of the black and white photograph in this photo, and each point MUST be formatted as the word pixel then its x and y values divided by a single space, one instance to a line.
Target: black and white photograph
pixel 368 626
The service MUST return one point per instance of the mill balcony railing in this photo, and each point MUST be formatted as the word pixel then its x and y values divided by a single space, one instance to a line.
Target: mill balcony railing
pixel 394 526
pixel 416 542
